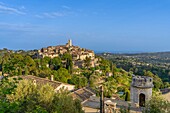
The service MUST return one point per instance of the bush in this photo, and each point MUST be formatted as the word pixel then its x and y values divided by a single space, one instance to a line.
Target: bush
pixel 28 97
pixel 157 105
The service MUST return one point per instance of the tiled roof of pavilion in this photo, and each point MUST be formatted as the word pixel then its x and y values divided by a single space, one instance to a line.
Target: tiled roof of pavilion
pixel 41 81
pixel 82 94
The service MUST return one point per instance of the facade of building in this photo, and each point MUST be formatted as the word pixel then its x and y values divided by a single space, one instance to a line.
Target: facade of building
pixel 141 89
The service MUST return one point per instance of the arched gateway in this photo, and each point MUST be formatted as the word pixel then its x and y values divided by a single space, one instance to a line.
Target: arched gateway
pixel 142 100
pixel 141 89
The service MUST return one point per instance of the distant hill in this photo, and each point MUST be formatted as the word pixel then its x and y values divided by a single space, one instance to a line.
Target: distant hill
pixel 158 63
pixel 158 54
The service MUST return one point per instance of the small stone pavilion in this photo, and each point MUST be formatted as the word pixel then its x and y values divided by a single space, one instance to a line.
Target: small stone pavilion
pixel 141 89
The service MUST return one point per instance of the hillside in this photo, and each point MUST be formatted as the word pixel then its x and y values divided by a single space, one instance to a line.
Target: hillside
pixel 140 64
pixel 61 62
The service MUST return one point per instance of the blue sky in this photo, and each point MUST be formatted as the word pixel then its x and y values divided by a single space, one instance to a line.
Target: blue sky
pixel 100 25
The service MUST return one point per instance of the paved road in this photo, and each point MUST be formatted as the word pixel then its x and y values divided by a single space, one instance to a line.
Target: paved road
pixel 167 96
pixel 166 93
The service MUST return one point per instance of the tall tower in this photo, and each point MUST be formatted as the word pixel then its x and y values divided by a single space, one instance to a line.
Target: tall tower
pixel 141 89
pixel 70 42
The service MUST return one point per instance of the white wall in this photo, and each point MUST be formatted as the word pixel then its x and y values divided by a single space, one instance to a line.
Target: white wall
pixel 66 86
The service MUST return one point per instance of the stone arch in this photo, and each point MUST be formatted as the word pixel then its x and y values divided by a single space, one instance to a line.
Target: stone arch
pixel 142 99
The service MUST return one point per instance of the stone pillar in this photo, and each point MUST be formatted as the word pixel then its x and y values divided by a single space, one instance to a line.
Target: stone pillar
pixel 102 110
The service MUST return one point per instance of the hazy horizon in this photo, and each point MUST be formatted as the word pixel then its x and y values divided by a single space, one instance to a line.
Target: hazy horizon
pixel 99 25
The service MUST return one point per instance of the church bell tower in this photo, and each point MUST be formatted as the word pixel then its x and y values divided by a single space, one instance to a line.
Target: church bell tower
pixel 70 42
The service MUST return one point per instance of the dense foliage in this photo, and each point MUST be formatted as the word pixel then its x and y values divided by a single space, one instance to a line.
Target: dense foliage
pixel 155 65
pixel 22 96
pixel 23 63
pixel 115 80
pixel 112 74
pixel 157 105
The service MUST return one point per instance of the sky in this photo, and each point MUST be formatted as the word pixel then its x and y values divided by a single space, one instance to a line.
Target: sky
pixel 99 25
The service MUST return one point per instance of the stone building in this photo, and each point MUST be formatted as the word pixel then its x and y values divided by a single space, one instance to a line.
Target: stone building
pixel 43 81
pixel 141 89
pixel 78 54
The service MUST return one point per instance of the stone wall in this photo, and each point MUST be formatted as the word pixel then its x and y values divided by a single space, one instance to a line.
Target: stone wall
pixel 135 92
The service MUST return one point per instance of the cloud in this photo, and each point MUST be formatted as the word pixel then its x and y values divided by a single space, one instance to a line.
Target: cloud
pixel 9 10
pixel 39 16
pixel 63 12
pixel 17 27
pixel 65 7
pixel 1 3
pixel 22 7
pixel 51 15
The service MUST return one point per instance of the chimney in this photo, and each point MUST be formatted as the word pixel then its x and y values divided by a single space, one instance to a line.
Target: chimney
pixel 34 82
pixel 52 77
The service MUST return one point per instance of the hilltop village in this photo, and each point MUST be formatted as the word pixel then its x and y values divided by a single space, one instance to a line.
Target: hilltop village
pixel 78 54
pixel 70 74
